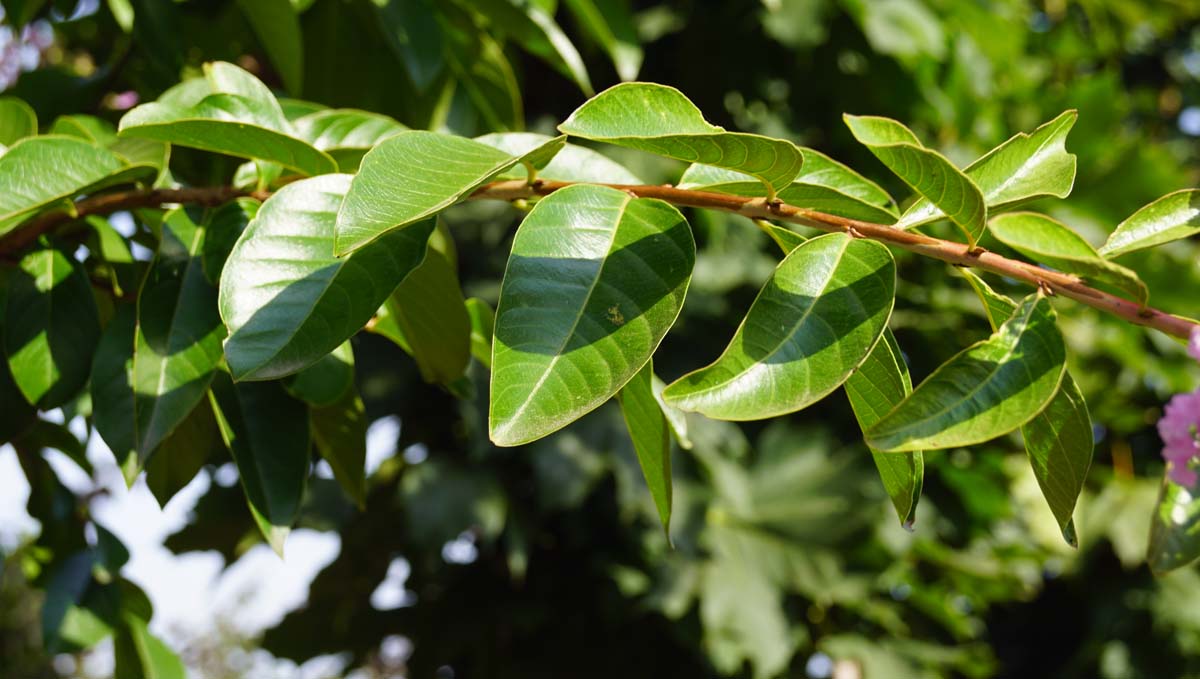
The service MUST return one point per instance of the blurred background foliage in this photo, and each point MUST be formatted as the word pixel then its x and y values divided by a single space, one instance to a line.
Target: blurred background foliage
pixel 787 559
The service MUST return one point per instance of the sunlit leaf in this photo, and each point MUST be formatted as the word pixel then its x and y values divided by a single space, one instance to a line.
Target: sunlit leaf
pixel 572 164
pixel 17 120
pixel 1172 217
pixel 1175 527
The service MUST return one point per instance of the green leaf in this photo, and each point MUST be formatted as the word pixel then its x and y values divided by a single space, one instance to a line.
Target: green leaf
pixel 1175 527
pixel 267 431
pixel 1059 440
pixel 1172 217
pixel 51 327
pixel 650 431
pixel 346 134
pixel 181 455
pixel 17 121
pixel 416 174
pixel 1052 243
pixel 278 29
pixel 141 655
pixel 40 172
pixel 881 382
pixel 326 381
pixel 17 413
pixel 535 31
pixel 595 280
pixel 179 332
pixel 112 389
pixel 572 164
pixel 813 197
pixel 660 119
pixel 339 431
pixel 238 116
pixel 484 73
pixel 818 169
pixel 610 24
pixel 987 390
pixel 676 418
pixel 413 32
pixel 483 324
pixel 926 171
pixel 285 298
pixel 96 130
pixel 785 238
pixel 429 312
pixel 1025 167
pixel 813 323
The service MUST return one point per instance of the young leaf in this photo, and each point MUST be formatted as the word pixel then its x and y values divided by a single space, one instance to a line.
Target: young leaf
pixel 179 333
pixel 51 327
pixel 1052 243
pixel 811 326
pixel 237 116
pixel 339 431
pixel 180 456
pixel 595 280
pixel 1025 167
pixel 285 298
pixel 267 431
pixel 987 390
pixel 925 170
pixel 346 134
pixel 416 174
pixel 818 169
pixel 1175 527
pixel 40 172
pixel 881 382
pixel 278 29
pixel 661 120
pixel 610 24
pixel 1172 217
pixel 572 164
pixel 483 324
pixel 651 436
pixel 17 121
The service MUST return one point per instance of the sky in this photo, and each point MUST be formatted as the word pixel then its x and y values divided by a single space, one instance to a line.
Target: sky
pixel 193 593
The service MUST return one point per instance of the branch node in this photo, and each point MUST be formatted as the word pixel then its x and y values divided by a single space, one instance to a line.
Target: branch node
pixel 1045 288
pixel 853 232
pixel 975 251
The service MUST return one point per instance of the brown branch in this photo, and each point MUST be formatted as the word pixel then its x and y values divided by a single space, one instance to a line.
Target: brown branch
pixel 958 254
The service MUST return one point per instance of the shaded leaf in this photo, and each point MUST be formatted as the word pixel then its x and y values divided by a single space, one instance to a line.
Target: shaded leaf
pixel 610 24
pixel 17 121
pixel 339 431
pixel 595 280
pixel 326 381
pixel 112 389
pixel 651 436
pixel 346 134
pixel 286 299
pixel 661 120
pixel 183 453
pixel 1172 217
pixel 278 29
pixel 483 323
pixel 536 32
pixel 987 390
pixel 810 327
pixel 138 654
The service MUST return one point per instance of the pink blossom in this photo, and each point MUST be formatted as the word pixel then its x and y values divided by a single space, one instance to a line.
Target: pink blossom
pixel 1194 345
pixel 1180 432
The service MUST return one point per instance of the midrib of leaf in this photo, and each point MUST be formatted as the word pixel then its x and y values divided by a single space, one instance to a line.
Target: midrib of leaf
pixel 575 323
pixel 792 331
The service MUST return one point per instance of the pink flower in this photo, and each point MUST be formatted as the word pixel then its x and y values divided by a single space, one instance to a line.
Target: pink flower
pixel 1194 345
pixel 1180 432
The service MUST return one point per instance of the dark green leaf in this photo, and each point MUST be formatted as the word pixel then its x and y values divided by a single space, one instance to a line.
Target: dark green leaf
pixel 537 33
pixel 610 24
pixel 325 382
pixel 339 431
pixel 180 456
pixel 278 29
pixel 651 436
pixel 594 281
pixel 112 389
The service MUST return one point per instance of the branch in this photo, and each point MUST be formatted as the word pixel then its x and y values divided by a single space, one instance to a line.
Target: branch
pixel 959 254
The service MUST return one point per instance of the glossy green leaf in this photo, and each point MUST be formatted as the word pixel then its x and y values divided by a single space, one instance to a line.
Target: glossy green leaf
pixel 267 431
pixel 112 389
pixel 1175 527
pixel 661 120
pixel 1027 166
pixel 179 332
pixel 676 418
pixel 416 174
pixel 96 130
pixel 595 280
pixel 182 454
pixel 610 24
pixel 239 116
pixel 40 172
pixel 881 382
pixel 17 121
pixel 325 382
pixel 285 298
pixel 430 313
pixel 812 324
pixel 785 238
pixel 1052 243
pixel 278 29
pixel 412 30
pixel 987 390
pixel 483 324
pixel 926 171
pixel 51 327
pixel 818 169
pixel 346 134
pixel 536 32
pixel 484 73
pixel 572 164
pixel 1172 217
pixel 651 434
pixel 339 431
pixel 1059 440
